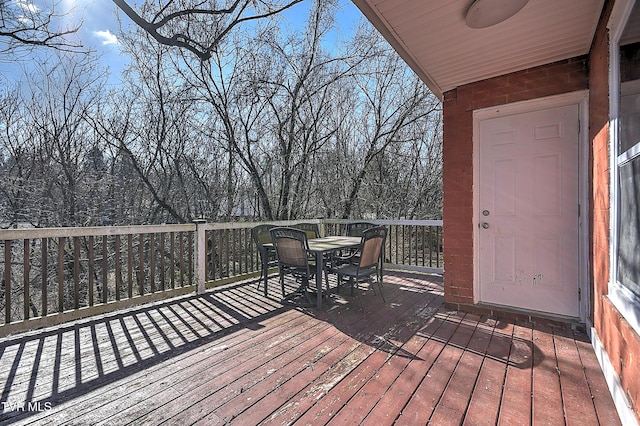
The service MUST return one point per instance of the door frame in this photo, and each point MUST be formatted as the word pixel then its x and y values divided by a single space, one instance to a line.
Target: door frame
pixel 581 99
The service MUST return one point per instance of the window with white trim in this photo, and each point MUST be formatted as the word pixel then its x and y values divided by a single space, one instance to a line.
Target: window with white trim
pixel 628 156
pixel 625 151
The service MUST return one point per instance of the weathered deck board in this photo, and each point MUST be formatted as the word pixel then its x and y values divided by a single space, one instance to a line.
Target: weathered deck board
pixel 576 395
pixel 390 404
pixel 516 394
pixel 235 356
pixel 598 387
pixel 547 400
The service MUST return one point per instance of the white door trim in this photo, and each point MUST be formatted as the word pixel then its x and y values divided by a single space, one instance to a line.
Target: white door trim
pixel 580 98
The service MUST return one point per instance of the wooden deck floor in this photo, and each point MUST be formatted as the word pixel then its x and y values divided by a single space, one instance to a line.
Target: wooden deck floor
pixel 234 356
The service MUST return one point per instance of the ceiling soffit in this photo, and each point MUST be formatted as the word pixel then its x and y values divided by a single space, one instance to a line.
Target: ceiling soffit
pixel 433 38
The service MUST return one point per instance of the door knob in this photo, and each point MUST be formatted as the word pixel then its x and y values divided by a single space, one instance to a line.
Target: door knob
pixel 485 225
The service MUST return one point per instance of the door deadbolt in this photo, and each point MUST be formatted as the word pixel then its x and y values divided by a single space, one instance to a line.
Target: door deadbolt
pixel 485 212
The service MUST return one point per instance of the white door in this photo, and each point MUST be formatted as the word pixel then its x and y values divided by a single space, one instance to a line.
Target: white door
pixel 528 210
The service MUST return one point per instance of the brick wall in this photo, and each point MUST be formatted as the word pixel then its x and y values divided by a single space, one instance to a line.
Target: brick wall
pixel 458 106
pixel 599 165
pixel 621 343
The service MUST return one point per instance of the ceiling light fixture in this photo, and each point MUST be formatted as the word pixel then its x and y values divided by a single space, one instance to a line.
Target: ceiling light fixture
pixel 485 13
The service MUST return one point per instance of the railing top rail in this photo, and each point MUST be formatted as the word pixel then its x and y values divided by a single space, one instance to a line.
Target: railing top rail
pixel 388 222
pixel 29 233
pixel 236 225
pixel 18 234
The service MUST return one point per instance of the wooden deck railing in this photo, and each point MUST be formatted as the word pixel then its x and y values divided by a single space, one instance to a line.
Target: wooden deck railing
pixel 54 275
pixel 411 244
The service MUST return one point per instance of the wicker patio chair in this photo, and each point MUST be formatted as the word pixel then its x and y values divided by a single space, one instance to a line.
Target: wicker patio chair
pixel 356 229
pixel 261 236
pixel 311 229
pixel 369 262
pixel 292 252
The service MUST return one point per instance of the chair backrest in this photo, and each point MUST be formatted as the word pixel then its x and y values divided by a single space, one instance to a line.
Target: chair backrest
pixel 371 246
pixel 261 235
pixel 356 229
pixel 312 229
pixel 291 247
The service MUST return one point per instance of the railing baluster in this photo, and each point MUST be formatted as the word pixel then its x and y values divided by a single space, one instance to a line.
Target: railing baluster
pixel 181 245
pixel 410 247
pixel 152 262
pixel 105 269
pixel 45 275
pixel 396 253
pixel 199 251
pixel 245 246
pixel 163 262
pixel 212 254
pixel 227 255
pixel 253 253
pixel 234 251
pixel 423 229
pixel 417 245
pixel 437 247
pixel 25 278
pixel 207 255
pixel 76 272
pixel 173 262
pixel 190 264
pixel 130 266
pixel 240 251
pixel 141 277
pixel 61 242
pixel 7 281
pixel 404 256
pixel 91 270
pixel 118 265
pixel 431 247
pixel 221 268
pixel 216 249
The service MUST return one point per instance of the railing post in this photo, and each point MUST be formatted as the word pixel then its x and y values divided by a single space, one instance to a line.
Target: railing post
pixel 200 255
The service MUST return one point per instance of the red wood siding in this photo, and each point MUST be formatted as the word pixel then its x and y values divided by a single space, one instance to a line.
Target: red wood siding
pixel 458 106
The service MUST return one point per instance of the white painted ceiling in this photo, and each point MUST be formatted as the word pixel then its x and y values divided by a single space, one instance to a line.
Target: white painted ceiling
pixel 433 38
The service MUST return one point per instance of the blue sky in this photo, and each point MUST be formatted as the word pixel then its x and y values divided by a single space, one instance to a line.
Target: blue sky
pixel 100 28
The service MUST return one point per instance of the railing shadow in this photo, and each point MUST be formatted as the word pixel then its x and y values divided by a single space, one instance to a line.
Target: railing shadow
pixel 39 370
pixel 486 341
pixel 53 366
pixel 415 307
pixel 410 300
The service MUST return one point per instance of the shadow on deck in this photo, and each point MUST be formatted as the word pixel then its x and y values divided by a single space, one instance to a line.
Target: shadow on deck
pixel 235 356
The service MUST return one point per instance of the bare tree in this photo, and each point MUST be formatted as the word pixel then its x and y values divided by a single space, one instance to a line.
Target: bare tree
pixel 18 162
pixel 277 124
pixel 297 85
pixel 163 131
pixel 199 25
pixel 24 25
pixel 391 108
pixel 61 97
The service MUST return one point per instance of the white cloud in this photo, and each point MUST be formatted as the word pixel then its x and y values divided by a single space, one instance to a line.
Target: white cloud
pixel 107 37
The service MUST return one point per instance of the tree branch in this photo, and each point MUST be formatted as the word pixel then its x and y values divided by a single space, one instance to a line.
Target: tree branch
pixel 185 18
